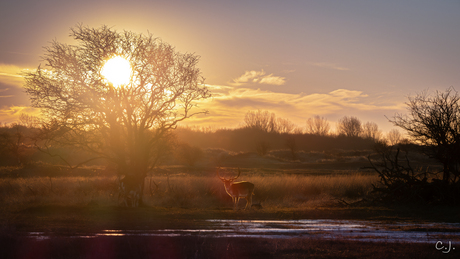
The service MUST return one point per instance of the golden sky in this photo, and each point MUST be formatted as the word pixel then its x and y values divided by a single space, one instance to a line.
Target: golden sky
pixel 295 58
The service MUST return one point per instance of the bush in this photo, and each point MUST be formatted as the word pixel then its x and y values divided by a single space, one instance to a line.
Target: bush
pixel 400 182
pixel 188 155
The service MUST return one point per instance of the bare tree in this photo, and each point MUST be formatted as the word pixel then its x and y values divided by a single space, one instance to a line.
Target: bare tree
pixel 11 146
pixel 266 121
pixel 285 126
pixel 349 126
pixel 261 120
pixel 29 121
pixel 16 146
pixel 318 126
pixel 370 130
pixel 123 124
pixel 434 121
pixel 394 137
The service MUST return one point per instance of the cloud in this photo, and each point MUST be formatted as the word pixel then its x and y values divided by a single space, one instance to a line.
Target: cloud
pixel 347 94
pixel 258 77
pixel 11 75
pixel 272 80
pixel 11 70
pixel 228 106
pixel 11 114
pixel 330 66
pixel 5 90
pixel 11 88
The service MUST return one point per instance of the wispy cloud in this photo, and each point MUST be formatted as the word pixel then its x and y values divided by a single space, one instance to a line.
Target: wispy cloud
pixel 12 113
pixel 330 66
pixel 258 77
pixel 11 70
pixel 11 74
pixel 272 80
pixel 229 104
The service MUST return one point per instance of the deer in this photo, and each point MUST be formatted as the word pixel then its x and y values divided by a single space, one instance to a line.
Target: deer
pixel 129 192
pixel 238 190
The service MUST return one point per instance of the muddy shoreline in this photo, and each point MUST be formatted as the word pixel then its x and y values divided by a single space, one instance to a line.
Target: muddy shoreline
pixel 206 247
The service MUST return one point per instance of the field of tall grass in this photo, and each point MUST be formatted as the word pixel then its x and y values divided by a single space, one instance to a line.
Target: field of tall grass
pixel 187 191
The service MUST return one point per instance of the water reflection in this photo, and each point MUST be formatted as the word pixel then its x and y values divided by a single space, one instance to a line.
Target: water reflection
pixel 326 229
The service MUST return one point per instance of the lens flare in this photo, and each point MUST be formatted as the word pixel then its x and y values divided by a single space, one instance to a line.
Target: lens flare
pixel 117 70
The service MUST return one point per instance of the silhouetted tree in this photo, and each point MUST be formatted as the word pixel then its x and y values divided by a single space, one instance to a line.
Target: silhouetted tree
pixel 349 126
pixel 318 126
pixel 124 124
pixel 15 144
pixel 260 120
pixel 394 137
pixel 267 122
pixel 434 121
pixel 29 121
pixel 8 146
pixel 371 130
pixel 285 126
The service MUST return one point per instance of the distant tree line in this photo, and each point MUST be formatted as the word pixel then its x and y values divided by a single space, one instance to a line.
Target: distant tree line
pixel 349 126
pixel 263 131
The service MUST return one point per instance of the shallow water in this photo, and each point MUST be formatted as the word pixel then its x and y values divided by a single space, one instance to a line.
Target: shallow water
pixel 358 230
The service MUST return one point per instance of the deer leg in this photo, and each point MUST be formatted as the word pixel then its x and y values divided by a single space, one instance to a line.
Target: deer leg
pixel 237 199
pixel 248 202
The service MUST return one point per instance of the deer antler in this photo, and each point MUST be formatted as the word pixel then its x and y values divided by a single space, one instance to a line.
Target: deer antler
pixel 239 172
pixel 221 178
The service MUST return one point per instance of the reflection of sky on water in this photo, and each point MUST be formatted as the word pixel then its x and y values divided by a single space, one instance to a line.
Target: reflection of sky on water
pixel 326 229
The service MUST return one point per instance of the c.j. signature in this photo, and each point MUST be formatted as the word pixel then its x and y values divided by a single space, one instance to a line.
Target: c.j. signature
pixel 445 249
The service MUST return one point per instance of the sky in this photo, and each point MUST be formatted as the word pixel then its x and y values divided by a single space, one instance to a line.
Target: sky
pixel 297 59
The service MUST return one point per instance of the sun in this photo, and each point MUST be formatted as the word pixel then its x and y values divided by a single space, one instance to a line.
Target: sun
pixel 117 71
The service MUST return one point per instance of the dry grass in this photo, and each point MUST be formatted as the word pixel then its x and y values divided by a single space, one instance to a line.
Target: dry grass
pixel 276 191
pixel 56 190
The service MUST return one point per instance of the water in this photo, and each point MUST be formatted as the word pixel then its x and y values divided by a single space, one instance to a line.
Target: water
pixel 359 230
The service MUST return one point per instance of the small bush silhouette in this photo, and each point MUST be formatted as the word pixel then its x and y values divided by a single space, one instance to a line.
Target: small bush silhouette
pixel 188 155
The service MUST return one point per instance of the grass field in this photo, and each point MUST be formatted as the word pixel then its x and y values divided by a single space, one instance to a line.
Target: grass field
pixel 191 191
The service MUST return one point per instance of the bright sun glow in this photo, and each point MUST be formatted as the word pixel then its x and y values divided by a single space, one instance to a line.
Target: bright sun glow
pixel 117 70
